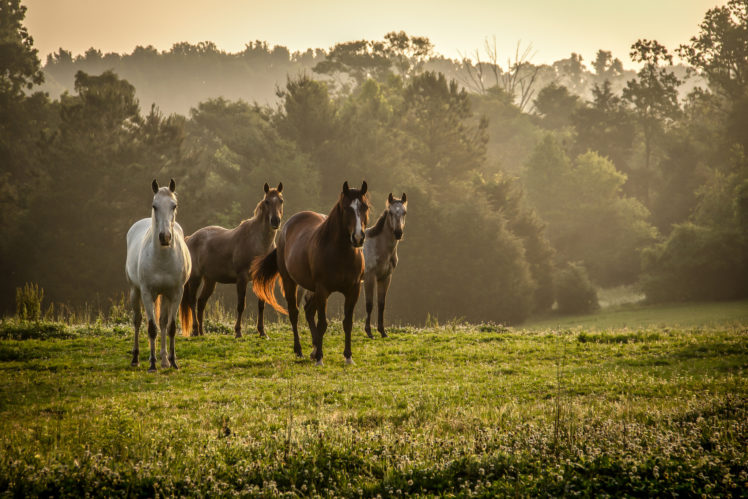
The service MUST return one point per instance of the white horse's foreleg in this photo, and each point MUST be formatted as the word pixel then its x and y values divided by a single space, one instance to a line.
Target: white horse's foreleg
pixel 164 319
pixel 137 318
pixel 150 315
pixel 172 328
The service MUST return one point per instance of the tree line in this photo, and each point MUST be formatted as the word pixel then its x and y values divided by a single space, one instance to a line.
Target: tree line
pixel 522 187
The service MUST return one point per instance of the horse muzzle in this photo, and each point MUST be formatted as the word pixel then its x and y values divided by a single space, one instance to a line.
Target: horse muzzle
pixel 164 238
pixel 356 242
pixel 275 223
pixel 398 234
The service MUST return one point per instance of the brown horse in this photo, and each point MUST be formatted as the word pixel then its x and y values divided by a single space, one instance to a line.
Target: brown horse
pixel 225 256
pixel 380 252
pixel 322 255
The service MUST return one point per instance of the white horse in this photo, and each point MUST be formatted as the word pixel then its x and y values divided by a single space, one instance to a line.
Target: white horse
pixel 158 266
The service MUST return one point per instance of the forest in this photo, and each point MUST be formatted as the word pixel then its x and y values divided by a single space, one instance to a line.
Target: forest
pixel 529 186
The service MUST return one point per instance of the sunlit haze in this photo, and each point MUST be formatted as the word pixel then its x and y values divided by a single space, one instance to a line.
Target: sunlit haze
pixel 555 29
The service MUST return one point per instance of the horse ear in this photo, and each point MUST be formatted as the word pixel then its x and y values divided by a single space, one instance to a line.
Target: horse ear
pixel 345 188
pixel 390 199
pixel 280 187
pixel 172 185
pixel 266 187
pixel 363 188
pixel 154 186
pixel 404 199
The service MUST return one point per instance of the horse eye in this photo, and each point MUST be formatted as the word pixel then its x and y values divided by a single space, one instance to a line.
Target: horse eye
pixel 154 206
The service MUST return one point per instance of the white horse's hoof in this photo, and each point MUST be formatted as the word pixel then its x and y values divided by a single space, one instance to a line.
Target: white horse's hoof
pixel 349 361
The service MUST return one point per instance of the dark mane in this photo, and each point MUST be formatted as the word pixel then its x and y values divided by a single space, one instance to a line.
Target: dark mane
pixel 330 225
pixel 258 209
pixel 377 228
pixel 332 222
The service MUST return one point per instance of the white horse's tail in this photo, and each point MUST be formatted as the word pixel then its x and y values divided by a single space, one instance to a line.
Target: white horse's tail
pixel 161 313
pixel 157 310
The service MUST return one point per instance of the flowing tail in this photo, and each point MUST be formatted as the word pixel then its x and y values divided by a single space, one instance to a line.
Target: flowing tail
pixel 157 310
pixel 185 307
pixel 264 274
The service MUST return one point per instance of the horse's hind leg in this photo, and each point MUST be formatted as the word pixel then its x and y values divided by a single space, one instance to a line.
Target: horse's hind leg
pixel 289 289
pixel 191 296
pixel 137 318
pixel 164 317
pixel 205 292
pixel 241 293
pixel 172 330
pixel 382 286
pixel 369 292
pixel 310 310
pixel 320 299
pixel 260 318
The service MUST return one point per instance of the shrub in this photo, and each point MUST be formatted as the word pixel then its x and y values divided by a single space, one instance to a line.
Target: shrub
pixel 574 292
pixel 696 263
pixel 29 302
pixel 588 216
pixel 449 268
pixel 118 311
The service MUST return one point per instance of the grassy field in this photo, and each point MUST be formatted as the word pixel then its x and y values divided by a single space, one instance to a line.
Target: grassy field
pixel 451 410
pixel 682 315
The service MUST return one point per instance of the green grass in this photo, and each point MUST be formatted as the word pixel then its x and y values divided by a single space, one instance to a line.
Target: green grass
pixel 459 409
pixel 684 315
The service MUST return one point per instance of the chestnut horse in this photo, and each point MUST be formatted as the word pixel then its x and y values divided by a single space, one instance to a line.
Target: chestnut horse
pixel 380 253
pixel 322 255
pixel 225 255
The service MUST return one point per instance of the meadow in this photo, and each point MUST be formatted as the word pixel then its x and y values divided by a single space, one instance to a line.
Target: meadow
pixel 631 402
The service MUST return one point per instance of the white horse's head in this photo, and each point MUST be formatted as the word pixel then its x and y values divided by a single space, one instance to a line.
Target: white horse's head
pixel 164 212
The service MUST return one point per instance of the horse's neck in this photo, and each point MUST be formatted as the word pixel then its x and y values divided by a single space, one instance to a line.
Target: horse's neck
pixel 332 230
pixel 390 242
pixel 256 229
pixel 387 236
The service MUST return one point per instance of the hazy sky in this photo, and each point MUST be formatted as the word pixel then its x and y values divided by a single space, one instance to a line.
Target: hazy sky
pixel 555 28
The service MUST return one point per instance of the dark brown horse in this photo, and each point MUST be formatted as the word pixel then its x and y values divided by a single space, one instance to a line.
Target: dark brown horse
pixel 322 255
pixel 225 256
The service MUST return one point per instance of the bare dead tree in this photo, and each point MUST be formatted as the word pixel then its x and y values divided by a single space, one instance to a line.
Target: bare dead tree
pixel 474 79
pixel 518 80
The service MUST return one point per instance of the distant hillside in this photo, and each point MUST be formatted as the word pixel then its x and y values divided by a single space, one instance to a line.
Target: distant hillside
pixel 178 79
